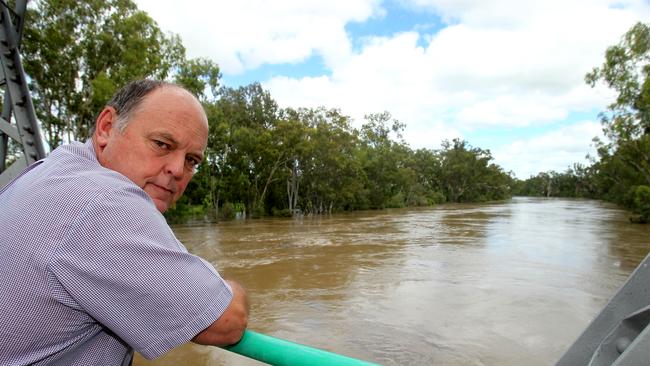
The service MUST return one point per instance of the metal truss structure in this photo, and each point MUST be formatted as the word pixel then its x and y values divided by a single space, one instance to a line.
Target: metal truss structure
pixel 18 120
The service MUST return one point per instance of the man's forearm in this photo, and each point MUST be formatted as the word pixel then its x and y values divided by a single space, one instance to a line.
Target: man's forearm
pixel 230 326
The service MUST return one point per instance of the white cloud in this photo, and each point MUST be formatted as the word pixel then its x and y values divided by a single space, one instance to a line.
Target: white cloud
pixel 431 135
pixel 389 74
pixel 514 14
pixel 242 35
pixel 523 65
pixel 500 63
pixel 556 150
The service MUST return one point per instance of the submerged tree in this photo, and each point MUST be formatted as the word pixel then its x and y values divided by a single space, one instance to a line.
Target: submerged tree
pixel 467 174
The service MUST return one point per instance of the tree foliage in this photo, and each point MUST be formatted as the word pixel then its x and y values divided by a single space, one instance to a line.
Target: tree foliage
pixel 622 171
pixel 267 160
pixel 626 70
pixel 260 159
pixel 77 53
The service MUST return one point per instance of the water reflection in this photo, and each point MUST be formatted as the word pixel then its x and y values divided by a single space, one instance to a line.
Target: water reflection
pixel 508 283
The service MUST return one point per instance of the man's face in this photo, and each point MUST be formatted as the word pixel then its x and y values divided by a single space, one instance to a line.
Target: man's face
pixel 164 140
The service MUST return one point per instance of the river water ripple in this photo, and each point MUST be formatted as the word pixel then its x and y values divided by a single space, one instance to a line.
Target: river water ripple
pixel 506 283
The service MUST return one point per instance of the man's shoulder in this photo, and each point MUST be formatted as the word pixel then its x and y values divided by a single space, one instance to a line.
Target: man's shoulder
pixel 73 173
pixel 77 162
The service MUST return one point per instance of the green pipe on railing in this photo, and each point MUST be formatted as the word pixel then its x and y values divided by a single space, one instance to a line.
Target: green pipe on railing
pixel 278 352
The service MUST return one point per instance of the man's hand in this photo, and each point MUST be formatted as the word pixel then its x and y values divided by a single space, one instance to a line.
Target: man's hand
pixel 230 326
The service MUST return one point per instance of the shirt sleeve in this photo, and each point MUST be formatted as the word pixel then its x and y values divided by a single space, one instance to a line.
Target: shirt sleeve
pixel 122 265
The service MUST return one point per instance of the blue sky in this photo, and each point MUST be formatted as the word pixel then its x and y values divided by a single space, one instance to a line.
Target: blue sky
pixel 505 75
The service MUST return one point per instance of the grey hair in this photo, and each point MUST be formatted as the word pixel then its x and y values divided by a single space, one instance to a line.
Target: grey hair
pixel 129 97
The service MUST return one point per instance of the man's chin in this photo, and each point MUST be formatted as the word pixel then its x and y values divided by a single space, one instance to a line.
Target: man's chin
pixel 162 206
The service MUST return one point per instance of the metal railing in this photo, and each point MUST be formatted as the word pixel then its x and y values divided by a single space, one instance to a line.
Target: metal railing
pixel 279 352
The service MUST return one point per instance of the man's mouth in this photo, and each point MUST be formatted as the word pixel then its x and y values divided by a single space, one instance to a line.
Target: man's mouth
pixel 164 188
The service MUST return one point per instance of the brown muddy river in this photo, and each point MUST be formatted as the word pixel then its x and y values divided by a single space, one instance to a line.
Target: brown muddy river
pixel 510 283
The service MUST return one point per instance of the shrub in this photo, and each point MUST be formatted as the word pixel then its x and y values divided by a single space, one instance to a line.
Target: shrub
pixel 436 198
pixel 285 212
pixel 228 211
pixel 641 204
pixel 397 201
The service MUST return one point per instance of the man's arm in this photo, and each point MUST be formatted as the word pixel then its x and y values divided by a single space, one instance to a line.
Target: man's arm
pixel 230 326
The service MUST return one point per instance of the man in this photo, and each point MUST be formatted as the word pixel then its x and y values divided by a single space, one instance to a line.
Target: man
pixel 90 270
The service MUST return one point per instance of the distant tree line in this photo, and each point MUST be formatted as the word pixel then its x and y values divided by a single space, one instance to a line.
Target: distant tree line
pixel 264 160
pixel 621 172
pixel 261 160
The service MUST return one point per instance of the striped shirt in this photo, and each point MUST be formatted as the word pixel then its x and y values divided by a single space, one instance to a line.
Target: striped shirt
pixel 90 270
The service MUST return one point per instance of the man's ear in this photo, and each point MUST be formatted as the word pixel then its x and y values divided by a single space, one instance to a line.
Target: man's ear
pixel 104 126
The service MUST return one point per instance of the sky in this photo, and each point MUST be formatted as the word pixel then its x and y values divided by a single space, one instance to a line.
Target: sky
pixel 504 75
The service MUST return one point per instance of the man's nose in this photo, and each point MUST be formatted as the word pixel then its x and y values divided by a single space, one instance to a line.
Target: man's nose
pixel 176 165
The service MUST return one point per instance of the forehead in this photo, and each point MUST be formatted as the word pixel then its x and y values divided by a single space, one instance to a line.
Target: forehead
pixel 174 111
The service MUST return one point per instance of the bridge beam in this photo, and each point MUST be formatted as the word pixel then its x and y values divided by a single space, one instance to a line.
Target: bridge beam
pixel 17 103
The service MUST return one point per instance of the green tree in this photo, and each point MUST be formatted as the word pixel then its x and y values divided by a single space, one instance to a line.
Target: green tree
pixel 626 70
pixel 252 154
pixel 331 174
pixel 464 172
pixel 385 158
pixel 641 200
pixel 201 77
pixel 295 140
pixel 428 167
pixel 621 173
pixel 626 123
pixel 624 163
pixel 76 53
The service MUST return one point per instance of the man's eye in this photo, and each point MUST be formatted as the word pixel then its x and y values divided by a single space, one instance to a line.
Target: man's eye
pixel 161 144
pixel 192 163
